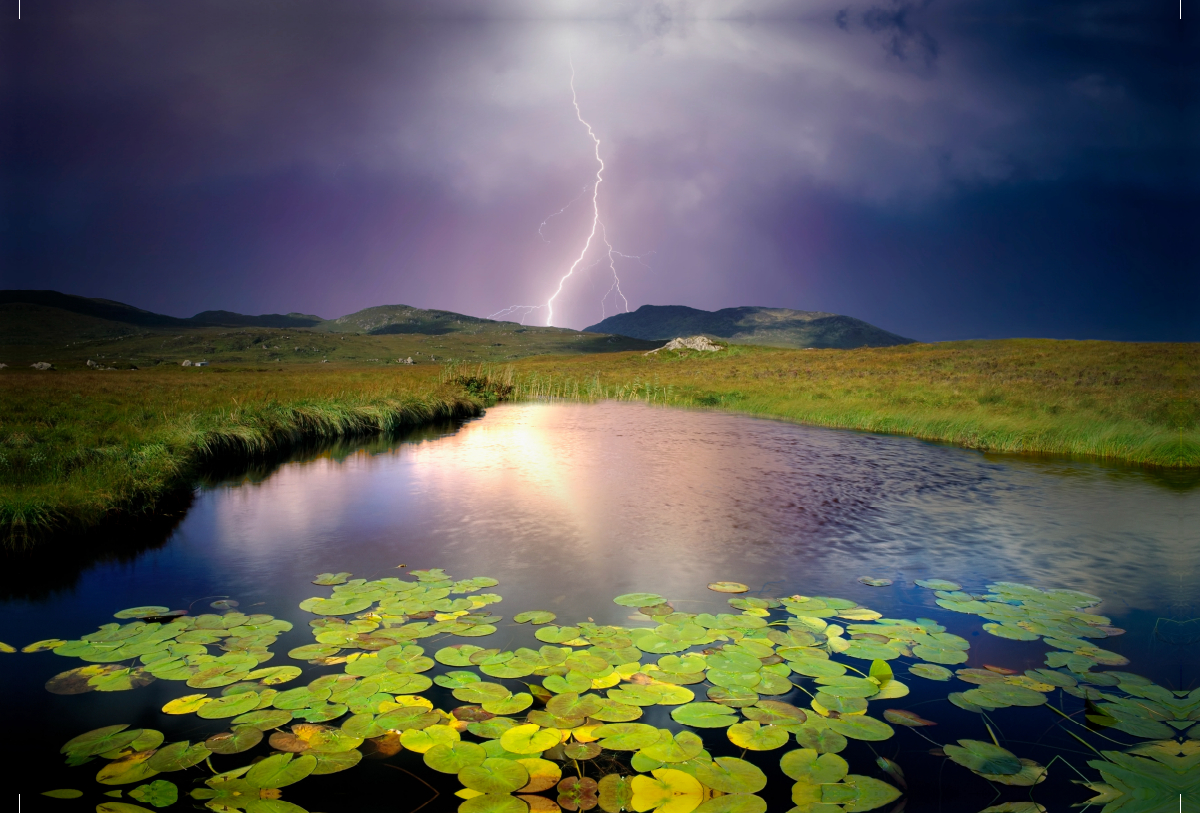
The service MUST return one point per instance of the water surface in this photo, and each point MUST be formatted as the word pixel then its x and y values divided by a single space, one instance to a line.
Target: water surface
pixel 568 505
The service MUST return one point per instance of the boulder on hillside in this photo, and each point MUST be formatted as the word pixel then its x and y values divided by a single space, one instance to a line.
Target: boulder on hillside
pixel 42 365
pixel 690 343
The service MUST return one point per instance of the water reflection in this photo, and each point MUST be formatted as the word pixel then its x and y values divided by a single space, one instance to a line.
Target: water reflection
pixel 622 494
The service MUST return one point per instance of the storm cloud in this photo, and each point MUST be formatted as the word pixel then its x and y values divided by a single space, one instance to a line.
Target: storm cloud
pixel 941 170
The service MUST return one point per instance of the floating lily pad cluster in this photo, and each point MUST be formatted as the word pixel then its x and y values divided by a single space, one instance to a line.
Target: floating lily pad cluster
pixel 159 644
pixel 527 723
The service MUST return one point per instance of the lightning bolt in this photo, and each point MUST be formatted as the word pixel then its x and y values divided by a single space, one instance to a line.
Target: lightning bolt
pixel 596 224
pixel 611 253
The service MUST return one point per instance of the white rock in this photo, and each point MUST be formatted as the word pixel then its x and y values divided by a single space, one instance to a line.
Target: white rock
pixel 690 343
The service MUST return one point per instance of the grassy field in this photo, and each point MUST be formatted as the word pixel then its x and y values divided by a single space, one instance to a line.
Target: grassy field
pixel 82 446
pixel 78 445
pixel 1131 402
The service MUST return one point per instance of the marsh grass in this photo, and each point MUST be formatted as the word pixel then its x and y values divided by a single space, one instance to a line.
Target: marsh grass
pixel 76 448
pixel 1138 403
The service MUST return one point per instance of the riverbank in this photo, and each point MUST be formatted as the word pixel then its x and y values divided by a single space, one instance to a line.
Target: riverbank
pixel 1137 403
pixel 79 448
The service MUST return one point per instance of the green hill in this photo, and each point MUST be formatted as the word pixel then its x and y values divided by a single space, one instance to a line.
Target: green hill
pixel 772 327
pixel 68 331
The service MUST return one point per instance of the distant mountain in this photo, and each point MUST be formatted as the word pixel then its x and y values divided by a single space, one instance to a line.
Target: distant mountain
pixel 774 327
pixel 120 312
pixel 391 319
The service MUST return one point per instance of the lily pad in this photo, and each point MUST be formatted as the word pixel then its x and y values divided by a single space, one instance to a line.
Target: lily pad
pixel 281 770
pixel 728 587
pixel 906 718
pixel 732 775
pixel 178 756
pixel 861 727
pixel 627 736
pixel 704 715
pixel 938 584
pixel 101 740
pixel 331 578
pixel 930 671
pixel 148 611
pixel 871 581
pixel 669 790
pixel 535 617
pixel 733 803
pixel 638 599
pixel 241 738
pixel 63 793
pixel 756 736
pixel 529 739
pixel 159 793
pixel 336 762
pixel 230 706
pixel 495 776
pixel 807 765
pixel 455 756
pixel 983 757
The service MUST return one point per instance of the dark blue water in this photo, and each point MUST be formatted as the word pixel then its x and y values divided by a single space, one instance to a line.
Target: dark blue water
pixel 570 505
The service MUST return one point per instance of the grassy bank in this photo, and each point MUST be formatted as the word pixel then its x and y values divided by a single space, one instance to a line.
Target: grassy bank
pixel 1138 403
pixel 79 447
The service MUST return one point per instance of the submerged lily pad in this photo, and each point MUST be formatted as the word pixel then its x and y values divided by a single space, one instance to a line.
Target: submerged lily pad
pixel 871 581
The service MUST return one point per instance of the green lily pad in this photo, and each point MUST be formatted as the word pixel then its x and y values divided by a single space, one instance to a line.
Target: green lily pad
pixel 570 704
pixel 704 715
pixel 983 757
pixel 732 696
pixel 142 612
pixel 491 729
pixel 456 655
pixel 812 667
pixel 509 705
pixel 274 675
pixel 674 748
pixel 728 587
pixel 495 776
pixel 871 581
pixel 731 775
pixel 815 735
pixel 930 671
pixel 529 739
pixel 101 740
pixel 337 605
pixel 535 617
pixel 1005 694
pixel 178 756
pixel 159 793
pixel 806 765
pixel 230 706
pixel 120 807
pixel 241 738
pixel 454 757
pixel 331 578
pixel 627 736
pixel 756 736
pixel 938 584
pixel 481 692
pixel 638 599
pixel 63 793
pixel 861 727
pixel 775 712
pixel 281 770
pixel 552 634
pixel 946 655
pixel 336 762
pixel 1012 633
pixel 310 652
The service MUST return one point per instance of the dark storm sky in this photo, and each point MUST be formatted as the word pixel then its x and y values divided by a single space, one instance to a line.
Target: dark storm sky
pixel 946 170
